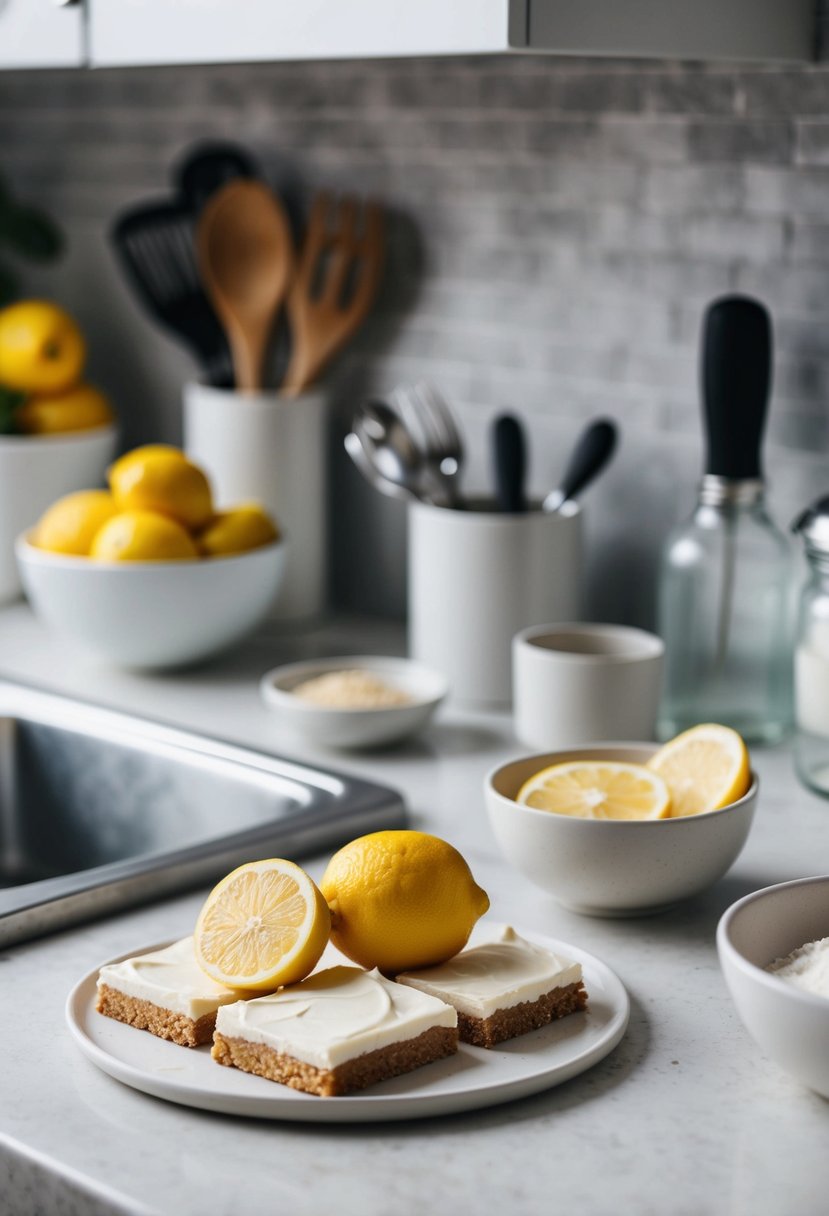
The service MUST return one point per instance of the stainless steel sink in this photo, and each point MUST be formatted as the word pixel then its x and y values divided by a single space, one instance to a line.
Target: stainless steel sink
pixel 100 810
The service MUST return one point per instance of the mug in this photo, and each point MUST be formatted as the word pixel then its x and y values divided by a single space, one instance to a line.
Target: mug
pixel 579 683
pixel 476 576
pixel 270 449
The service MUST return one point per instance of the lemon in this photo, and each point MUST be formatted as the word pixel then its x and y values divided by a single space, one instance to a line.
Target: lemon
pixel 264 925
pixel 70 524
pixel 706 767
pixel 400 900
pixel 42 350
pixel 142 536
pixel 78 409
pixel 161 478
pixel 598 789
pixel 237 530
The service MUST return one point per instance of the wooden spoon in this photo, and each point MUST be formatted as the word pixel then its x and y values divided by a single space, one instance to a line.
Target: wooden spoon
pixel 335 284
pixel 245 255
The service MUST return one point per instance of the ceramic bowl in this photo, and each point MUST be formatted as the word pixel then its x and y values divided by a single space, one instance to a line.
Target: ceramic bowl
pixel 151 614
pixel 346 728
pixel 611 868
pixel 35 471
pixel 789 1025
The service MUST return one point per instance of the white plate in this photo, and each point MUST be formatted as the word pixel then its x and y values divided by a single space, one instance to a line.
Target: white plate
pixel 338 727
pixel 473 1078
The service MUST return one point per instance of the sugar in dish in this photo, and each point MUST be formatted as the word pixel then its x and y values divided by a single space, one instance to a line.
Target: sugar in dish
pixel 807 967
pixel 351 689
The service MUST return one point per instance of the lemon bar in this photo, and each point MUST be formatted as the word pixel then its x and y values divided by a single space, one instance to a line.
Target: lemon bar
pixel 503 988
pixel 165 992
pixel 338 1031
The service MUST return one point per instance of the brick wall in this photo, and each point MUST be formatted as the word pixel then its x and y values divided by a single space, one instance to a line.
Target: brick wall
pixel 557 229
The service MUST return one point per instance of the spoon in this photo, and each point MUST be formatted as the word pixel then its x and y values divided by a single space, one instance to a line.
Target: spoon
pixel 592 452
pixel 245 254
pixel 390 450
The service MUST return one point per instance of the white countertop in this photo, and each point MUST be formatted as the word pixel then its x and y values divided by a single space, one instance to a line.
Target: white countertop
pixel 684 1117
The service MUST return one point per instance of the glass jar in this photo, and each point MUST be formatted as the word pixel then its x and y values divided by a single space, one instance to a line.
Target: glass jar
pixel 811 665
pixel 725 600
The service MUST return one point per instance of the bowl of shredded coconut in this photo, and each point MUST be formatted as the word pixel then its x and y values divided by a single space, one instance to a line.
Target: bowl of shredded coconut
pixel 354 701
pixel 773 947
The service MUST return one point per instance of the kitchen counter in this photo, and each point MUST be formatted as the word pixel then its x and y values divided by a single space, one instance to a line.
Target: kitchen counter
pixel 684 1117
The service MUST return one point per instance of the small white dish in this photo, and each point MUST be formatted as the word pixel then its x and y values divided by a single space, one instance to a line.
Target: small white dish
pixel 605 867
pixel 338 727
pixel 472 1079
pixel 789 1025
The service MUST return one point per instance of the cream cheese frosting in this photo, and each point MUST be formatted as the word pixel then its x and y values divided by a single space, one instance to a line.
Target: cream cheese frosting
pixel 495 975
pixel 170 978
pixel 334 1016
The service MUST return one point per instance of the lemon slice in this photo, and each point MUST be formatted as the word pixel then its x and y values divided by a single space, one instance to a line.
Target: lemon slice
pixel 706 767
pixel 598 789
pixel 264 925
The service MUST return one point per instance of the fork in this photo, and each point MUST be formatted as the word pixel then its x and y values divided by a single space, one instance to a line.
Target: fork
pixel 335 284
pixel 430 422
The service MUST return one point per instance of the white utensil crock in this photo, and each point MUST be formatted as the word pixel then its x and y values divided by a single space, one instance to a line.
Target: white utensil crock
pixel 476 577
pixel 271 449
pixel 36 470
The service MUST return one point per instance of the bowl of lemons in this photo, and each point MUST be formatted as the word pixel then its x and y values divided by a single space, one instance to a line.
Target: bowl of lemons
pixel 630 828
pixel 57 431
pixel 147 573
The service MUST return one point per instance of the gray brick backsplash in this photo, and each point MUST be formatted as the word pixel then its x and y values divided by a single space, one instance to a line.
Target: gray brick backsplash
pixel 556 228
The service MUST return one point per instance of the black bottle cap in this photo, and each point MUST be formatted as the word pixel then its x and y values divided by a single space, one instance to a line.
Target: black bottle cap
pixel 736 380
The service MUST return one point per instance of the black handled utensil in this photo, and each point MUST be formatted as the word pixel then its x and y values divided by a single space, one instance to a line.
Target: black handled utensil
pixel 592 453
pixel 207 167
pixel 154 245
pixel 509 451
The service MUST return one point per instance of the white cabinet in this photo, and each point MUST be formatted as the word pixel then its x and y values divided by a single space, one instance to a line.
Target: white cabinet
pixel 211 31
pixel 41 34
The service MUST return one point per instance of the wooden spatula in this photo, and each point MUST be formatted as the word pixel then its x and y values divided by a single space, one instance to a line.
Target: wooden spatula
pixel 335 284
pixel 246 259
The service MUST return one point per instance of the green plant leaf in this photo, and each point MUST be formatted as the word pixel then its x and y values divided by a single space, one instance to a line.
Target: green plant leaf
pixel 31 233
pixel 10 400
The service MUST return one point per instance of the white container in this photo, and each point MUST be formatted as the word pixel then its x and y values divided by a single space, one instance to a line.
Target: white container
pixel 271 449
pixel 35 470
pixel 575 684
pixel 476 577
pixel 151 614
pixel 789 1025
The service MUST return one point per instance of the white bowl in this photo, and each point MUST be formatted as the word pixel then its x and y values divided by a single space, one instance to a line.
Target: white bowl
pixel 337 727
pixel 789 1025
pixel 610 868
pixel 35 471
pixel 151 614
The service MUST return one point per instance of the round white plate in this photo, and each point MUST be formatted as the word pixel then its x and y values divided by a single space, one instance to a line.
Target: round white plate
pixel 473 1078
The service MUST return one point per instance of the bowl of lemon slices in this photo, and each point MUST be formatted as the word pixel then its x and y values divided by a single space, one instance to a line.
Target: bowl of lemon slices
pixel 148 573
pixel 630 828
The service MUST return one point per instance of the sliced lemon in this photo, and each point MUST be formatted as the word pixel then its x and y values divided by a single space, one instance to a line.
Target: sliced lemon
pixel 264 925
pixel 598 789
pixel 706 767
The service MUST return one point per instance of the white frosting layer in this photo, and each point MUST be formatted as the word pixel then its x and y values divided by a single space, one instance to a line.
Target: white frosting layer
pixel 495 975
pixel 806 967
pixel 170 978
pixel 333 1016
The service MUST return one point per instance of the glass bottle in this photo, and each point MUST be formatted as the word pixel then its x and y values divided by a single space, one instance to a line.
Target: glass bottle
pixel 811 662
pixel 726 578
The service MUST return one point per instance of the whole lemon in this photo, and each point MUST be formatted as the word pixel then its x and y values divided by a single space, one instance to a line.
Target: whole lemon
pixel 161 478
pixel 401 900
pixel 142 536
pixel 237 530
pixel 71 523
pixel 42 350
pixel 78 409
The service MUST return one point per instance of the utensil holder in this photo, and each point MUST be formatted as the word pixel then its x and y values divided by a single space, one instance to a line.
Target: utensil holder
pixel 270 449
pixel 477 577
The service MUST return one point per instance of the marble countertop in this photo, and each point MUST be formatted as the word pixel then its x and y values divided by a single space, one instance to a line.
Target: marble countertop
pixel 684 1117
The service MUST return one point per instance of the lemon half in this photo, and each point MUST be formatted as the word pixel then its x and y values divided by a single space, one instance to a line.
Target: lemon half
pixel 598 789
pixel 706 768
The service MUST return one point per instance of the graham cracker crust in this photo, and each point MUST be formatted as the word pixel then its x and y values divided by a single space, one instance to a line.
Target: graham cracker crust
pixel 359 1073
pixel 163 1023
pixel 520 1019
